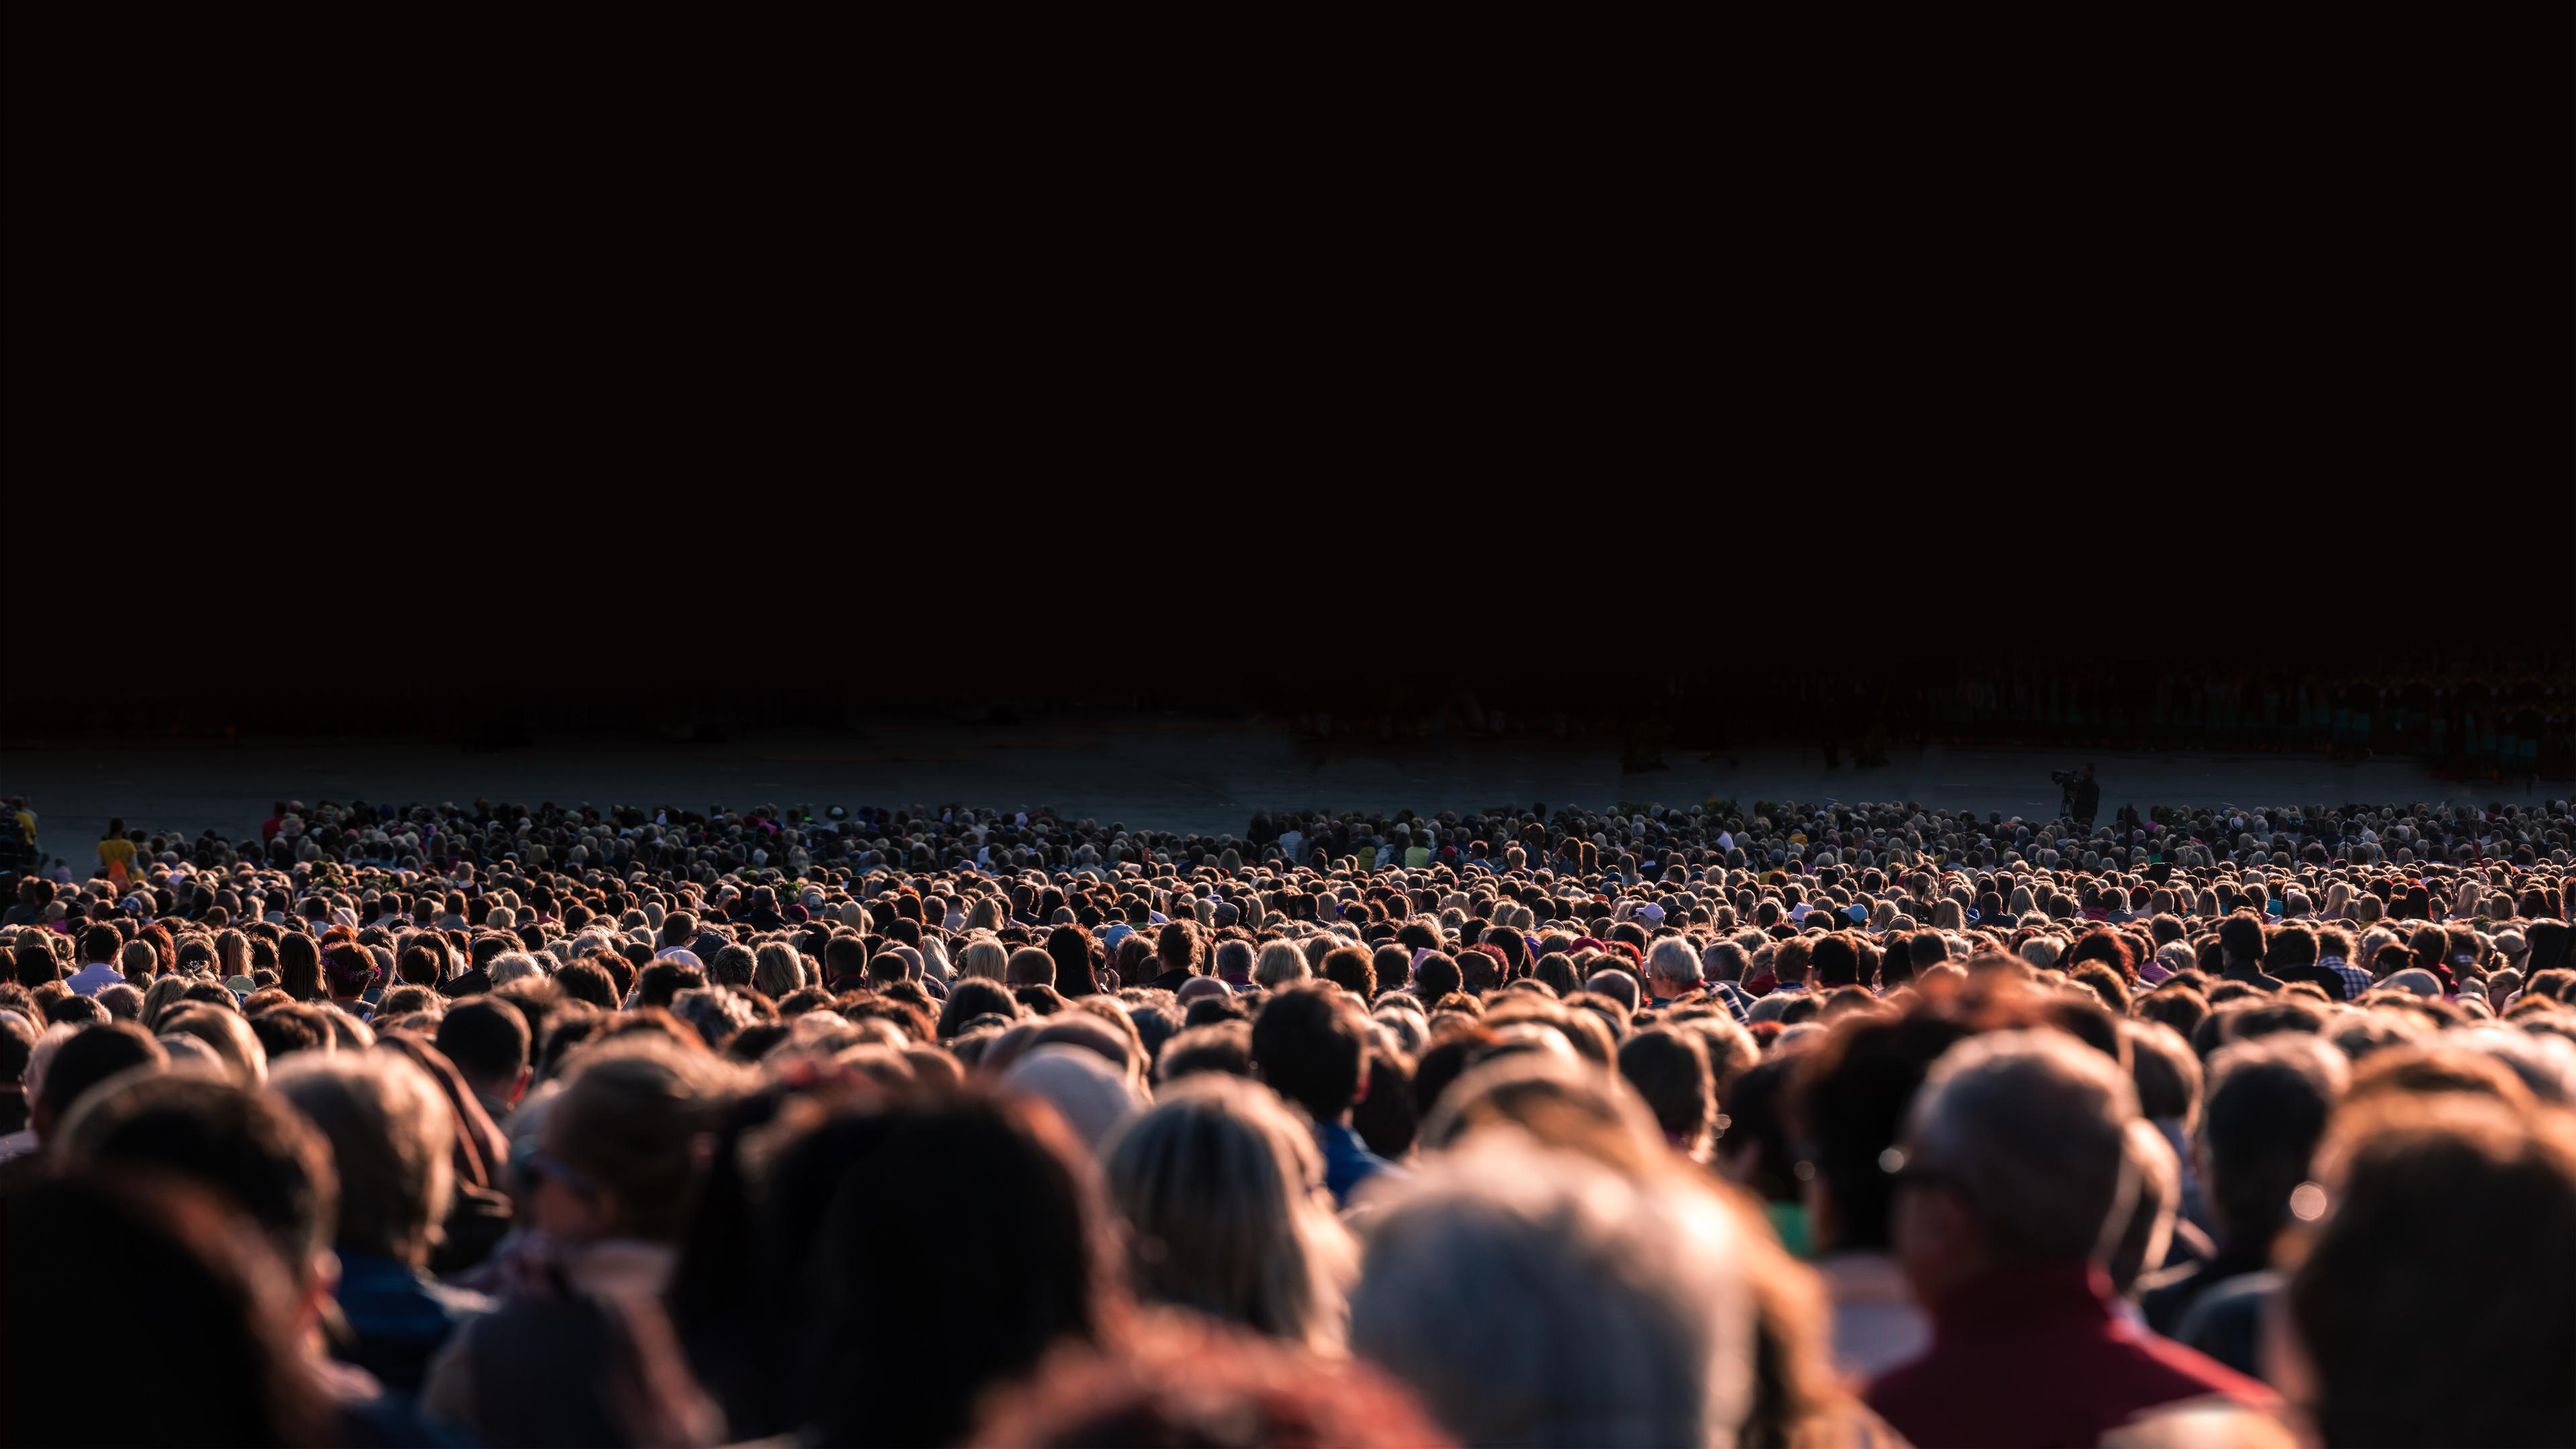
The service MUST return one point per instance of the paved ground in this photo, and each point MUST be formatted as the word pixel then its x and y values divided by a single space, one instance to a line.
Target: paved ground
pixel 1165 775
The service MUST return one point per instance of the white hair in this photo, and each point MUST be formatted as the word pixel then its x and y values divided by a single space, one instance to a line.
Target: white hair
pixel 1673 959
pixel 1532 1297
pixel 510 966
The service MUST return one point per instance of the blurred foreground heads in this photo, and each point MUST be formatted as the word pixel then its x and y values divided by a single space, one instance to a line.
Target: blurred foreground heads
pixel 2443 1219
pixel 1533 1296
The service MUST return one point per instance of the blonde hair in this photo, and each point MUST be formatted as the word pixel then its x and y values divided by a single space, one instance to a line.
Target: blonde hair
pixel 631 1118
pixel 985 957
pixel 1281 962
pixel 1220 1187
pixel 777 970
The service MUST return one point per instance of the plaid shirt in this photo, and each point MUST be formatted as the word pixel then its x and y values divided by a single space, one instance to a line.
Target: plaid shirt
pixel 1732 995
pixel 2355 980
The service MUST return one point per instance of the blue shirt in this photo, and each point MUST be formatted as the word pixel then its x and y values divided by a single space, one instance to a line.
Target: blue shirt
pixel 1347 1161
pixel 399 1317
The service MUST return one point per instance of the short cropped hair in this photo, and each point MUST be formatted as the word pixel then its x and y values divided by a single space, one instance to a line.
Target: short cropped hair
pixel 2030 1128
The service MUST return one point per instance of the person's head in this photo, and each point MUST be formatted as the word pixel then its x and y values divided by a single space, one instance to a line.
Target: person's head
pixel 1437 975
pixel 972 998
pixel 1176 947
pixel 778 969
pixel 101 943
pixel 984 959
pixel 2443 1219
pixel 1219 1185
pixel 618 1155
pixel 1848 1100
pixel 185 1261
pixel 1218 1046
pixel 1030 1267
pixel 1310 1045
pixel 1618 985
pixel 245 1145
pixel 69 1067
pixel 488 1039
pixel 2241 937
pixel 1649 1320
pixel 1670 1070
pixel 1672 967
pixel 1280 964
pixel 1030 966
pixel 2267 1104
pixel 2015 1151
pixel 391 1134
pixel 225 1033
pixel 1350 968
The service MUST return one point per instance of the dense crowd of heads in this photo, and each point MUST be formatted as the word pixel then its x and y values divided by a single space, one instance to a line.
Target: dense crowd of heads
pixel 1788 1124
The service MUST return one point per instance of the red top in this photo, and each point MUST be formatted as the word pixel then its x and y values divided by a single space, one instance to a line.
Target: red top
pixel 2033 1355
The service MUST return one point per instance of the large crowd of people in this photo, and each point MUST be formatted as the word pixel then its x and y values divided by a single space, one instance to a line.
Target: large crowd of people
pixel 1776 1124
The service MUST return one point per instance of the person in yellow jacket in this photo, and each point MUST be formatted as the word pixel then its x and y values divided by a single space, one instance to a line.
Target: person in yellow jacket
pixel 116 853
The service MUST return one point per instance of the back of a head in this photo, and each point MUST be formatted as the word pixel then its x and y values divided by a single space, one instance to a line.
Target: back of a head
pixel 1219 1046
pixel 90 1056
pixel 2030 1128
pixel 1551 1098
pixel 203 1277
pixel 1618 985
pixel 1217 1185
pixel 1030 966
pixel 1670 1070
pixel 246 1146
pixel 1850 1097
pixel 1027 1269
pixel 2267 1105
pixel 2442 1218
pixel 1673 960
pixel 1625 1318
pixel 630 1117
pixel 391 1135
pixel 226 1033
pixel 487 1038
pixel 1310 1046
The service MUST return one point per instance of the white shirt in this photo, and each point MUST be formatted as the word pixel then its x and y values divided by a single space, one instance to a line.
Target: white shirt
pixel 94 978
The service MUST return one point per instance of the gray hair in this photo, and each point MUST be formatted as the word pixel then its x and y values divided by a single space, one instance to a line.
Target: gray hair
pixel 715 1011
pixel 1636 1287
pixel 1674 960
pixel 1220 1184
pixel 392 1136
pixel 511 966
pixel 2030 1128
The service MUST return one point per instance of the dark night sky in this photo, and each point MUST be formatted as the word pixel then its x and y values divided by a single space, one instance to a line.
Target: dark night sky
pixel 2265 345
